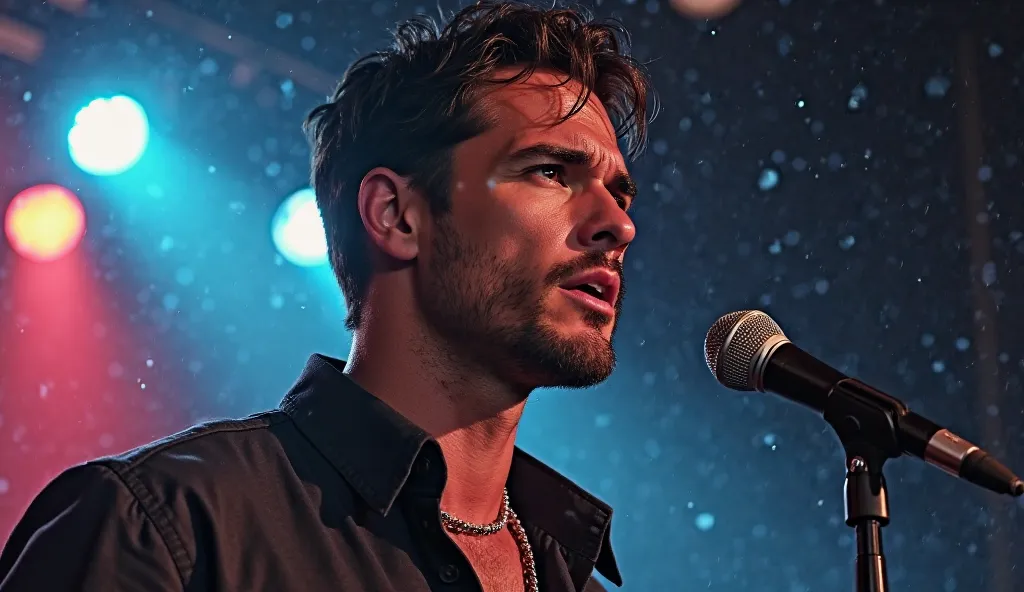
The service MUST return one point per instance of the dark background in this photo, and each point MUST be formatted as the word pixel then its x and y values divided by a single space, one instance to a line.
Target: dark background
pixel 890 246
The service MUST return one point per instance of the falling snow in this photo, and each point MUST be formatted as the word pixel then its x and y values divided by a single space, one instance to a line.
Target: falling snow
pixel 817 170
pixel 858 96
pixel 937 86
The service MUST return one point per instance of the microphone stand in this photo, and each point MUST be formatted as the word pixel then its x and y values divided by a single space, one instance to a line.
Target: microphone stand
pixel 867 511
pixel 866 422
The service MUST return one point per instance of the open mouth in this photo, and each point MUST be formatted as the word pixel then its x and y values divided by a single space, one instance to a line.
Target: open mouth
pixel 591 289
pixel 589 298
pixel 596 290
pixel 600 286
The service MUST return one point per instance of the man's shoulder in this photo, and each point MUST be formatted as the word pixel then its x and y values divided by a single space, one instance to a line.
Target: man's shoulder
pixel 209 455
pixel 211 441
pixel 180 489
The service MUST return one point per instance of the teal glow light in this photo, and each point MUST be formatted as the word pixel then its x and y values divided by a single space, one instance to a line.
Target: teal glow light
pixel 109 135
pixel 298 231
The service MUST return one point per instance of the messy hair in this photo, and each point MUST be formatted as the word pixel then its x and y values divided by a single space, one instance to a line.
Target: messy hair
pixel 406 108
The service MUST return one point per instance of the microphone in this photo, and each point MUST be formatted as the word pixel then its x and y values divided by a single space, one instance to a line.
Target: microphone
pixel 747 351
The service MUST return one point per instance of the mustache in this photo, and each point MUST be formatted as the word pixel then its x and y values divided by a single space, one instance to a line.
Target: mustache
pixel 585 262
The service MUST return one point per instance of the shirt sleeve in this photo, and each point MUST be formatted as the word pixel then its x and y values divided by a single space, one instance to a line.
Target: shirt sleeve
pixel 87 532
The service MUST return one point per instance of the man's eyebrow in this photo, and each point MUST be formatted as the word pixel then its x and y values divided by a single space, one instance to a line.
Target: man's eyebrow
pixel 622 183
pixel 560 153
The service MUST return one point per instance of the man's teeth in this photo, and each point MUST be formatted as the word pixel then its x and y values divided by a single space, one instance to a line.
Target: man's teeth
pixel 600 289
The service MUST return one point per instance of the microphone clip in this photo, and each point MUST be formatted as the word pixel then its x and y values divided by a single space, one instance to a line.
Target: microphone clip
pixel 866 421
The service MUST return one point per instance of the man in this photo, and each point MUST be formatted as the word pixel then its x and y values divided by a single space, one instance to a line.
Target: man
pixel 475 201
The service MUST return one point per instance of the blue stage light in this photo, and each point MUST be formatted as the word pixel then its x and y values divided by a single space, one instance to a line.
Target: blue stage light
pixel 109 135
pixel 298 231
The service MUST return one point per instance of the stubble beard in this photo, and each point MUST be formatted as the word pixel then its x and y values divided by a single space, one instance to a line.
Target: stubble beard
pixel 491 315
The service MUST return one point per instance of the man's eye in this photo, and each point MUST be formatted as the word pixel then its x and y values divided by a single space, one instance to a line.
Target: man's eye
pixel 552 172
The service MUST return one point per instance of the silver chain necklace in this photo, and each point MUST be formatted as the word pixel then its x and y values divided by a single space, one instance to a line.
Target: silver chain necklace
pixel 505 517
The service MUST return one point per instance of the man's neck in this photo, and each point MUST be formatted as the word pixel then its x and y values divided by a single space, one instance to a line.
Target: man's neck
pixel 472 415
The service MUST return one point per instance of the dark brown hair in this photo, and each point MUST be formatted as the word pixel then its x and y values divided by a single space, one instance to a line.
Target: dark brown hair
pixel 407 107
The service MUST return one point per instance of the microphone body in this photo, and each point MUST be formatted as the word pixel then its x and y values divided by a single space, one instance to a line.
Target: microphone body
pixel 748 351
pixel 796 375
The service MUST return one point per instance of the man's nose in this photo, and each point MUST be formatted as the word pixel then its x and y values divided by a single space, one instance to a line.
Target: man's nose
pixel 607 227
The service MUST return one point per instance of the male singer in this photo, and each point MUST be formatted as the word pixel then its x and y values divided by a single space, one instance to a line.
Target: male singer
pixel 475 201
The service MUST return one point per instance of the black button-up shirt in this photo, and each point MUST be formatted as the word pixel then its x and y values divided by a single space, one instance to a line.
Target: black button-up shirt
pixel 333 491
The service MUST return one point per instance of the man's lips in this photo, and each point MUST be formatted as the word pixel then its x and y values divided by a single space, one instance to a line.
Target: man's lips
pixel 589 301
pixel 600 283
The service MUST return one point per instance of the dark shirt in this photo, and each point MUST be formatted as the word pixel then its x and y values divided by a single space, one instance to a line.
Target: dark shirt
pixel 333 491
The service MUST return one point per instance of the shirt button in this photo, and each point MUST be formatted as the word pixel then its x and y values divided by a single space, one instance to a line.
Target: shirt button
pixel 423 466
pixel 449 574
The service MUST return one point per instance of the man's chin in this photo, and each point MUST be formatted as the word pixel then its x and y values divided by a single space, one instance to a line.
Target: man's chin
pixel 580 381
pixel 579 363
pixel 555 354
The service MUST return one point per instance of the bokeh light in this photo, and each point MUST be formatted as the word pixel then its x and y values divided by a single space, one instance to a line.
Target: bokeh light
pixel 298 230
pixel 109 135
pixel 852 168
pixel 704 9
pixel 44 223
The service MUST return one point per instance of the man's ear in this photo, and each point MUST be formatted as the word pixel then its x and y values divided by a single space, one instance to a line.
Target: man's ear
pixel 392 213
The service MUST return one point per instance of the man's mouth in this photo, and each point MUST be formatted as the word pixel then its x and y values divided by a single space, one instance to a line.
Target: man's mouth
pixel 598 289
pixel 592 289
pixel 587 299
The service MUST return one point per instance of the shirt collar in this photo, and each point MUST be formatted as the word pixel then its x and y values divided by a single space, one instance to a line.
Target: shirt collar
pixel 344 427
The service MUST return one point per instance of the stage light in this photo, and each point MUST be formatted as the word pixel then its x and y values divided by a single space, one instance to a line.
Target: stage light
pixel 44 223
pixel 109 135
pixel 704 9
pixel 298 231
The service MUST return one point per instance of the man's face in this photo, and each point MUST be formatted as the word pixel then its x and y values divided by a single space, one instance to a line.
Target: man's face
pixel 534 203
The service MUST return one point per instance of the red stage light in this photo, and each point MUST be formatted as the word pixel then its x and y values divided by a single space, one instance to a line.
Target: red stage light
pixel 45 222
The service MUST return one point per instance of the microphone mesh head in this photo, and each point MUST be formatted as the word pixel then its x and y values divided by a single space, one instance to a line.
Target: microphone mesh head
pixel 733 343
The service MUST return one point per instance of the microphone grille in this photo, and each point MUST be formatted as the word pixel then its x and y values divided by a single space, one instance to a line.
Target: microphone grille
pixel 732 344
